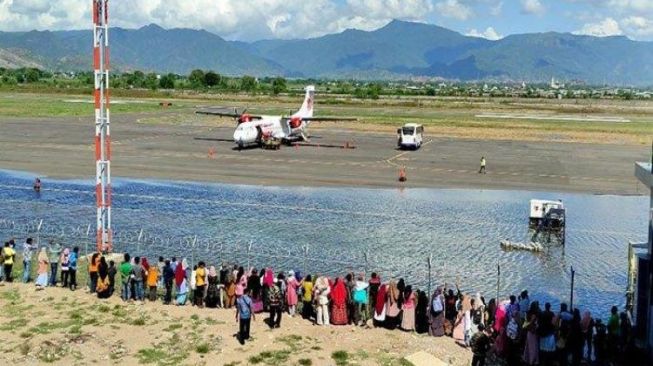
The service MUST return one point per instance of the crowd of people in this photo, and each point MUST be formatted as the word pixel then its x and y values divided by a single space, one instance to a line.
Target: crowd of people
pixel 517 329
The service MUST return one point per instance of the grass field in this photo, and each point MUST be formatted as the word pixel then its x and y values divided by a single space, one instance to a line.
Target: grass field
pixel 449 116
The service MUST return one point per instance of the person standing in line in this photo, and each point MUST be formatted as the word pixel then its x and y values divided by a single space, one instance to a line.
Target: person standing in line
pixel 307 297
pixel 168 277
pixel 244 315
pixel 72 268
pixel 64 259
pixel 160 266
pixel 408 309
pixel 103 287
pixel 28 252
pixel 361 299
pixel 54 252
pixel 483 162
pixel 138 276
pixel 321 298
pixel 274 304
pixel 200 284
pixel 152 280
pixel 480 343
pixel 291 293
pixel 8 255
pixel 42 278
pixel 93 272
pixel 125 276
pixel 111 272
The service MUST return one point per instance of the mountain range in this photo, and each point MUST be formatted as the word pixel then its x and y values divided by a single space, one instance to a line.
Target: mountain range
pixel 398 50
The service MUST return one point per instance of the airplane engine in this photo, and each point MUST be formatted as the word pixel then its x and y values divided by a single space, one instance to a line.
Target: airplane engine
pixel 295 122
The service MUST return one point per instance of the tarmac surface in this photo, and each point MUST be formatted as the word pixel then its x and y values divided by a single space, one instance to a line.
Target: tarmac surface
pixel 62 148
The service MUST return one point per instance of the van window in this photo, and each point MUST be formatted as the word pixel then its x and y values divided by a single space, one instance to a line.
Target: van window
pixel 420 129
pixel 408 131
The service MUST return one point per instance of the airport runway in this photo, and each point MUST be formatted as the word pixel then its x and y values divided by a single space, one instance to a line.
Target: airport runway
pixel 62 148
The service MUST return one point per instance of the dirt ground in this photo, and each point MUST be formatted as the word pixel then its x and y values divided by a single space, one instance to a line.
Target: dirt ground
pixel 62 327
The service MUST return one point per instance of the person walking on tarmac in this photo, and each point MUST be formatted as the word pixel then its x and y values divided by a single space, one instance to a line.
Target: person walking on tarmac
pixel 482 169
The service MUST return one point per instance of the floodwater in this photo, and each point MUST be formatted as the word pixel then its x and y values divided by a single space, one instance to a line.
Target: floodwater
pixel 332 230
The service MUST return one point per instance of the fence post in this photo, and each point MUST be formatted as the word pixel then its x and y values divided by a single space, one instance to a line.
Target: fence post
pixel 249 249
pixel 305 257
pixel 571 297
pixel 138 242
pixel 193 254
pixel 366 254
pixel 430 260
pixel 498 280
pixel 38 233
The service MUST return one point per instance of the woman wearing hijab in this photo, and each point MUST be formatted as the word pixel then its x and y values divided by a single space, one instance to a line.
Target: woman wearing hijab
pixel 322 291
pixel 103 288
pixel 421 309
pixel 92 272
pixel 267 282
pixel 532 344
pixel 63 259
pixel 379 306
pixel 461 324
pixel 253 284
pixel 181 282
pixel 392 309
pixel 339 300
pixel 408 309
pixel 291 293
pixel 436 313
pixel 307 297
pixel 241 282
pixel 42 279
pixel 212 292
pixel 230 292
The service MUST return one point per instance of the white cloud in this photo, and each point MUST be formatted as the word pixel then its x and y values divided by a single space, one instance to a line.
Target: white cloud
pixel 532 7
pixel 496 9
pixel 234 19
pixel 606 27
pixel 454 9
pixel 489 33
pixel 637 25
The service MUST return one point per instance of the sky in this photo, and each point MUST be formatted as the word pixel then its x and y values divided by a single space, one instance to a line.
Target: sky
pixel 249 20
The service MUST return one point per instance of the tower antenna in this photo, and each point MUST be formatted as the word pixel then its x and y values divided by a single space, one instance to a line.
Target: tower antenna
pixel 102 132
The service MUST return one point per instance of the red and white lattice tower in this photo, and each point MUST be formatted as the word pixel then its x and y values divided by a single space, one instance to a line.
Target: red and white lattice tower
pixel 102 133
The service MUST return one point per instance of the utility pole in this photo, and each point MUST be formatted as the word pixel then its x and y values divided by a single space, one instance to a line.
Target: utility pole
pixel 102 132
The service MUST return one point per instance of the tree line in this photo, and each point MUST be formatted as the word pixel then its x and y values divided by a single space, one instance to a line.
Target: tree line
pixel 208 81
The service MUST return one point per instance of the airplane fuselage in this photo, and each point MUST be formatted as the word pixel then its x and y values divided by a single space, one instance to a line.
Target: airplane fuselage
pixel 252 132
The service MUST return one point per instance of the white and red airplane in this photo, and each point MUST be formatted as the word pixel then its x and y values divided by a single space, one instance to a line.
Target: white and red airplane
pixel 254 129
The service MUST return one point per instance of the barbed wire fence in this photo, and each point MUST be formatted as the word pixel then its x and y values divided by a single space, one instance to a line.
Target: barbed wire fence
pixel 424 271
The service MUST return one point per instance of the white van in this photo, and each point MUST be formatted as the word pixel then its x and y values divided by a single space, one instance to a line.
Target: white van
pixel 410 136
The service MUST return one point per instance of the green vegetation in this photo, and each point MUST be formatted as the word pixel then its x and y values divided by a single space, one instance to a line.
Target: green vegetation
pixel 340 357
pixel 270 357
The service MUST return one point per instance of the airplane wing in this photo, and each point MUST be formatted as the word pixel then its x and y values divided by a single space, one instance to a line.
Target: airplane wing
pixel 327 119
pixel 225 112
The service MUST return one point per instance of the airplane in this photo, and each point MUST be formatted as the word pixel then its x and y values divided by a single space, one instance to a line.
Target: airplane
pixel 255 129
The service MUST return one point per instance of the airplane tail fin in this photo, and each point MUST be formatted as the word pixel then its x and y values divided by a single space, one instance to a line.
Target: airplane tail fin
pixel 306 111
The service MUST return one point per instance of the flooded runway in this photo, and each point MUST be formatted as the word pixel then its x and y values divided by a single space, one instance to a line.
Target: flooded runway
pixel 332 230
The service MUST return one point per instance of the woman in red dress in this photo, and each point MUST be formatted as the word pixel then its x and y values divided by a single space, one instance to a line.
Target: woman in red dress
pixel 339 299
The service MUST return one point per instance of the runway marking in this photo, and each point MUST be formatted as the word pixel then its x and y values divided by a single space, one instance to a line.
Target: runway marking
pixel 390 160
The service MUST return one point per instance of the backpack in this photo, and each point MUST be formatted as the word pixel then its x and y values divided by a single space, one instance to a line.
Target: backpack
pixel 477 316
pixel 274 296
pixel 512 331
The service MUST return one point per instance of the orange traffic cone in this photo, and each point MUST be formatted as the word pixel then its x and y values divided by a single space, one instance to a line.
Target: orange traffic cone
pixel 402 174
